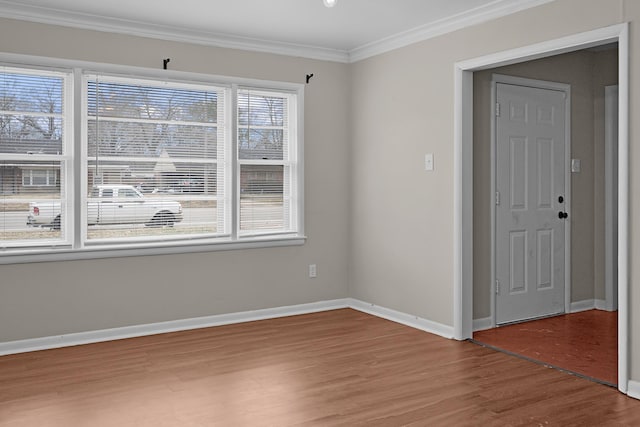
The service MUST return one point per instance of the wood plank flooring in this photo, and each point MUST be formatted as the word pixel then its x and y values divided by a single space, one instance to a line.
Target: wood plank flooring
pixel 584 342
pixel 339 367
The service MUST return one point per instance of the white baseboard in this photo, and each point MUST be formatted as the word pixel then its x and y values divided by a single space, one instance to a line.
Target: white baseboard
pixel 79 338
pixel 482 324
pixel 67 340
pixel 584 305
pixel 633 389
pixel 403 318
pixel 445 331
pixel 588 304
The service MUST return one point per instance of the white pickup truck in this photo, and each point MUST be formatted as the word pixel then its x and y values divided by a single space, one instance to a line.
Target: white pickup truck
pixel 112 204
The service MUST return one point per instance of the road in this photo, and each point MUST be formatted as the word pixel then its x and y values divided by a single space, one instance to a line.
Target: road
pixel 17 221
pixel 258 216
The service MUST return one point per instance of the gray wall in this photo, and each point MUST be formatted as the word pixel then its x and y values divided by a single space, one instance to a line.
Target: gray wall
pixel 380 228
pixel 63 297
pixel 401 216
pixel 605 73
pixel 587 72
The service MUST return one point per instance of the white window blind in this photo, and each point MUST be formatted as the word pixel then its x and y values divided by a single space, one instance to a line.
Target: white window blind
pixel 155 159
pixel 98 164
pixel 267 162
pixel 35 125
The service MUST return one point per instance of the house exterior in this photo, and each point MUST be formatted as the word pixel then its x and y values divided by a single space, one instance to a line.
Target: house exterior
pixel 30 177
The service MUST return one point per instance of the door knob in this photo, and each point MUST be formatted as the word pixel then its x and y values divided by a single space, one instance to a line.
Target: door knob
pixel 562 215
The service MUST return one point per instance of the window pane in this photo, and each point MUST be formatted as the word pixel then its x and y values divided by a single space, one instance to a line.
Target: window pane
pixel 143 139
pixel 29 92
pixel 152 198
pixel 32 205
pixel 119 99
pixel 262 126
pixel 31 202
pixel 153 161
pixel 262 198
pixel 31 113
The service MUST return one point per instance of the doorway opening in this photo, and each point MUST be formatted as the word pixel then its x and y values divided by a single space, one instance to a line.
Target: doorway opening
pixel 538 242
pixel 465 291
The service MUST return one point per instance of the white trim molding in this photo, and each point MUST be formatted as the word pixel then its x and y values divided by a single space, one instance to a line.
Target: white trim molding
pixel 633 389
pixel 51 16
pixel 483 324
pixel 416 322
pixel 588 304
pixel 584 305
pixel 478 15
pixel 89 337
pixel 47 15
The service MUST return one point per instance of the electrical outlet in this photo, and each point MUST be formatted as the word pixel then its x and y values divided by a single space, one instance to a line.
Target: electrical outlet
pixel 313 272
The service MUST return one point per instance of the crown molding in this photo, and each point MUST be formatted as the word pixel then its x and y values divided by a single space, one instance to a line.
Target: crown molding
pixel 44 15
pixel 493 10
pixel 84 21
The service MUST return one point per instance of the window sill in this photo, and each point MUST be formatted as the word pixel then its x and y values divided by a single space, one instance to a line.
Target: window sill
pixel 98 252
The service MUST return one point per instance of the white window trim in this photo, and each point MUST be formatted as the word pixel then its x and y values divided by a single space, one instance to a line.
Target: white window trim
pixel 292 161
pixel 66 249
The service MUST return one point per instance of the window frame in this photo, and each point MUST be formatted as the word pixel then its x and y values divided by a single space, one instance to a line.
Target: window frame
pixel 74 243
pixel 292 162
pixel 136 80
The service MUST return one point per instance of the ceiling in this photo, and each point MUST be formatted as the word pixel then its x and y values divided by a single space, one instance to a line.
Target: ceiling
pixel 349 31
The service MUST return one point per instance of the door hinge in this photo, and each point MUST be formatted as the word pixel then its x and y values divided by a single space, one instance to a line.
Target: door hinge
pixel 497 109
pixel 497 287
pixel 497 198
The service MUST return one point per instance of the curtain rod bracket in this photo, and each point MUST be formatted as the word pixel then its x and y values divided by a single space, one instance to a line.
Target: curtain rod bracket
pixel 165 62
pixel 309 77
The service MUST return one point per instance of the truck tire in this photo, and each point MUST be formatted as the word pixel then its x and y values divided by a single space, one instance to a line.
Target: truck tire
pixel 163 218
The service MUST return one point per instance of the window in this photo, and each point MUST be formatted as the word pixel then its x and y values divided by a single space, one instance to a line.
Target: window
pixel 39 177
pixel 161 146
pixel 34 153
pixel 267 163
pixel 159 163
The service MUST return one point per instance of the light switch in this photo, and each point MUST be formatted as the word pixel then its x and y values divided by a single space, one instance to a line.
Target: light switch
pixel 575 165
pixel 428 162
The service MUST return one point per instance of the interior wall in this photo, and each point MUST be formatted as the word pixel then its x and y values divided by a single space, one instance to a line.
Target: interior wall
pixel 377 217
pixel 56 298
pixel 584 71
pixel 605 73
pixel 403 107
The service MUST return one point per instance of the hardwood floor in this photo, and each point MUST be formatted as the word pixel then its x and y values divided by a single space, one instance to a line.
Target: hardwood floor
pixel 584 342
pixel 339 367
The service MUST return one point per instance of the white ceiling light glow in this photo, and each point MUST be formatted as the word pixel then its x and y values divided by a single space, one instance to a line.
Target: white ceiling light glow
pixel 330 3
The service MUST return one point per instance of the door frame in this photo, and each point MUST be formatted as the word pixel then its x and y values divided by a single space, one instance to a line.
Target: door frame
pixel 463 173
pixel 537 84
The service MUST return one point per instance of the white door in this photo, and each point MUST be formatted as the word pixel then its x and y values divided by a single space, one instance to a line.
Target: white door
pixel 530 202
